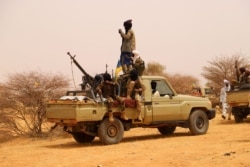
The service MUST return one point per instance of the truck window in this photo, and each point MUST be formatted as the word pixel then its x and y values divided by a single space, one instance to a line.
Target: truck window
pixel 163 88
pixel 208 91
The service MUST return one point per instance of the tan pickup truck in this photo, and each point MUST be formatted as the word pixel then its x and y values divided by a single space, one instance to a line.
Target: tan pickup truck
pixel 85 116
pixel 239 100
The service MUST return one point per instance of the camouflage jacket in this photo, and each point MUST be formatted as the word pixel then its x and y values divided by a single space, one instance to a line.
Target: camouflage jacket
pixel 139 88
pixel 128 41
pixel 107 89
pixel 139 66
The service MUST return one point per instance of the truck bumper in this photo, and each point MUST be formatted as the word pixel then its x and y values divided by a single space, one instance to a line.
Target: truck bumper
pixel 211 114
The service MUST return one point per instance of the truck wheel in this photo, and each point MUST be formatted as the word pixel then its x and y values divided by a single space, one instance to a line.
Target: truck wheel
pixel 198 122
pixel 110 132
pixel 166 130
pixel 82 137
pixel 238 118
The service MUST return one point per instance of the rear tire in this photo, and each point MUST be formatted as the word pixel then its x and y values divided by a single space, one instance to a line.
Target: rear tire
pixel 198 122
pixel 110 132
pixel 81 137
pixel 166 130
pixel 238 118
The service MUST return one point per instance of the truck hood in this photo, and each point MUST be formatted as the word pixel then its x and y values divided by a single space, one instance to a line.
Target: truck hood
pixel 192 98
pixel 195 101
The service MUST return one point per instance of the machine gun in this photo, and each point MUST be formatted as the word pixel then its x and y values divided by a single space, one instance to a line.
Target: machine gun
pixel 86 79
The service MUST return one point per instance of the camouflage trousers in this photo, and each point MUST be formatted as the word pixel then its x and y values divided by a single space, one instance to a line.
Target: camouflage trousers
pixel 138 101
pixel 120 100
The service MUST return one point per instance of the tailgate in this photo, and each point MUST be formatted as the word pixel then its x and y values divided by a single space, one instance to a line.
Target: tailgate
pixel 238 98
pixel 70 111
pixel 57 110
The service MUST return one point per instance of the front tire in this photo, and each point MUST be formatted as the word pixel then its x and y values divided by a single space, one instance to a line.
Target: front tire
pixel 110 132
pixel 198 122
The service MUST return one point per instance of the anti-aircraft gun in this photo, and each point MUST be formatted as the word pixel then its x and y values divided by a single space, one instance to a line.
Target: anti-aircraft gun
pixel 89 83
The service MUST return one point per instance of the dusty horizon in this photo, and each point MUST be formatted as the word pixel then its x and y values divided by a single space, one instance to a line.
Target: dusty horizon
pixel 182 36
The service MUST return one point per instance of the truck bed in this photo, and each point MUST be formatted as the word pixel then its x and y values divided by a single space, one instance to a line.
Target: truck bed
pixel 73 111
pixel 238 98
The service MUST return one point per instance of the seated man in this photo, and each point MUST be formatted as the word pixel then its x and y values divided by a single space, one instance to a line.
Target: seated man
pixel 244 73
pixel 135 89
pixel 154 90
pixel 138 63
pixel 107 89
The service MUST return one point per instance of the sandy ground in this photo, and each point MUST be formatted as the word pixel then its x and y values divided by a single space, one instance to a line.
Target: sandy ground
pixel 226 144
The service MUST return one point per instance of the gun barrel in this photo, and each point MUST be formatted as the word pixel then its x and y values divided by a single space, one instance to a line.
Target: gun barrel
pixel 89 78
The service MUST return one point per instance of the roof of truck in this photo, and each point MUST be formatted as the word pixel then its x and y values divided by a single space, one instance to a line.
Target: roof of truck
pixel 153 76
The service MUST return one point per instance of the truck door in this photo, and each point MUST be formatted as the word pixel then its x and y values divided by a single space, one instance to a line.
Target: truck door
pixel 166 105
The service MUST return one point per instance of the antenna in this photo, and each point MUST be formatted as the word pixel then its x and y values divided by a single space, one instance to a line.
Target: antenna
pixel 106 68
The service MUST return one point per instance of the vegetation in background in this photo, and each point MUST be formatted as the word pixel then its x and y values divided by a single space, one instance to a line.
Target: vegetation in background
pixel 181 83
pixel 23 99
pixel 223 67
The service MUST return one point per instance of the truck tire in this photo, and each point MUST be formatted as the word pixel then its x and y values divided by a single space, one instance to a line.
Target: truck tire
pixel 166 130
pixel 198 122
pixel 110 132
pixel 238 118
pixel 81 137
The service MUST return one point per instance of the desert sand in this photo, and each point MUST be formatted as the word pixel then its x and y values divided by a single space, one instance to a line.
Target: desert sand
pixel 225 144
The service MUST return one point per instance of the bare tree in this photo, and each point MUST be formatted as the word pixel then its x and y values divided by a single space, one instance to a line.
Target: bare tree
pixel 23 100
pixel 223 67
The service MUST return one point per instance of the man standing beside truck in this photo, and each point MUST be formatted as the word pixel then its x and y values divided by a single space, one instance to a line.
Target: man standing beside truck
pixel 223 98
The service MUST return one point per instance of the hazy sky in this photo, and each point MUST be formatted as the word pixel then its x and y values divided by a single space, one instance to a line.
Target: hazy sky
pixel 182 35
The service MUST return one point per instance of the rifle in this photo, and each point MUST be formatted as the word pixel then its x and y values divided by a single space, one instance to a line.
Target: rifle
pixel 87 79
pixel 237 71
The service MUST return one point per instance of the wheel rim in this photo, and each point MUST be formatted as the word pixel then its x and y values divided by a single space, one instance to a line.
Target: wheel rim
pixel 200 122
pixel 112 131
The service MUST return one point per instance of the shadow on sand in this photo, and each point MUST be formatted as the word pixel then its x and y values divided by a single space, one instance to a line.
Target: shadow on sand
pixel 232 121
pixel 97 142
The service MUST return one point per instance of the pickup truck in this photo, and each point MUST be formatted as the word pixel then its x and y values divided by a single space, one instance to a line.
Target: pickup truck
pixel 239 100
pixel 85 116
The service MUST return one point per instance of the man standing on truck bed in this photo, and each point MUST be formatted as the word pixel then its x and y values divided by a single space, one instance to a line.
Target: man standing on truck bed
pixel 128 45
pixel 107 89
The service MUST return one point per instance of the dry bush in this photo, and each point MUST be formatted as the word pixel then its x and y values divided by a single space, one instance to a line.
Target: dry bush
pixel 183 84
pixel 23 100
pixel 154 68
